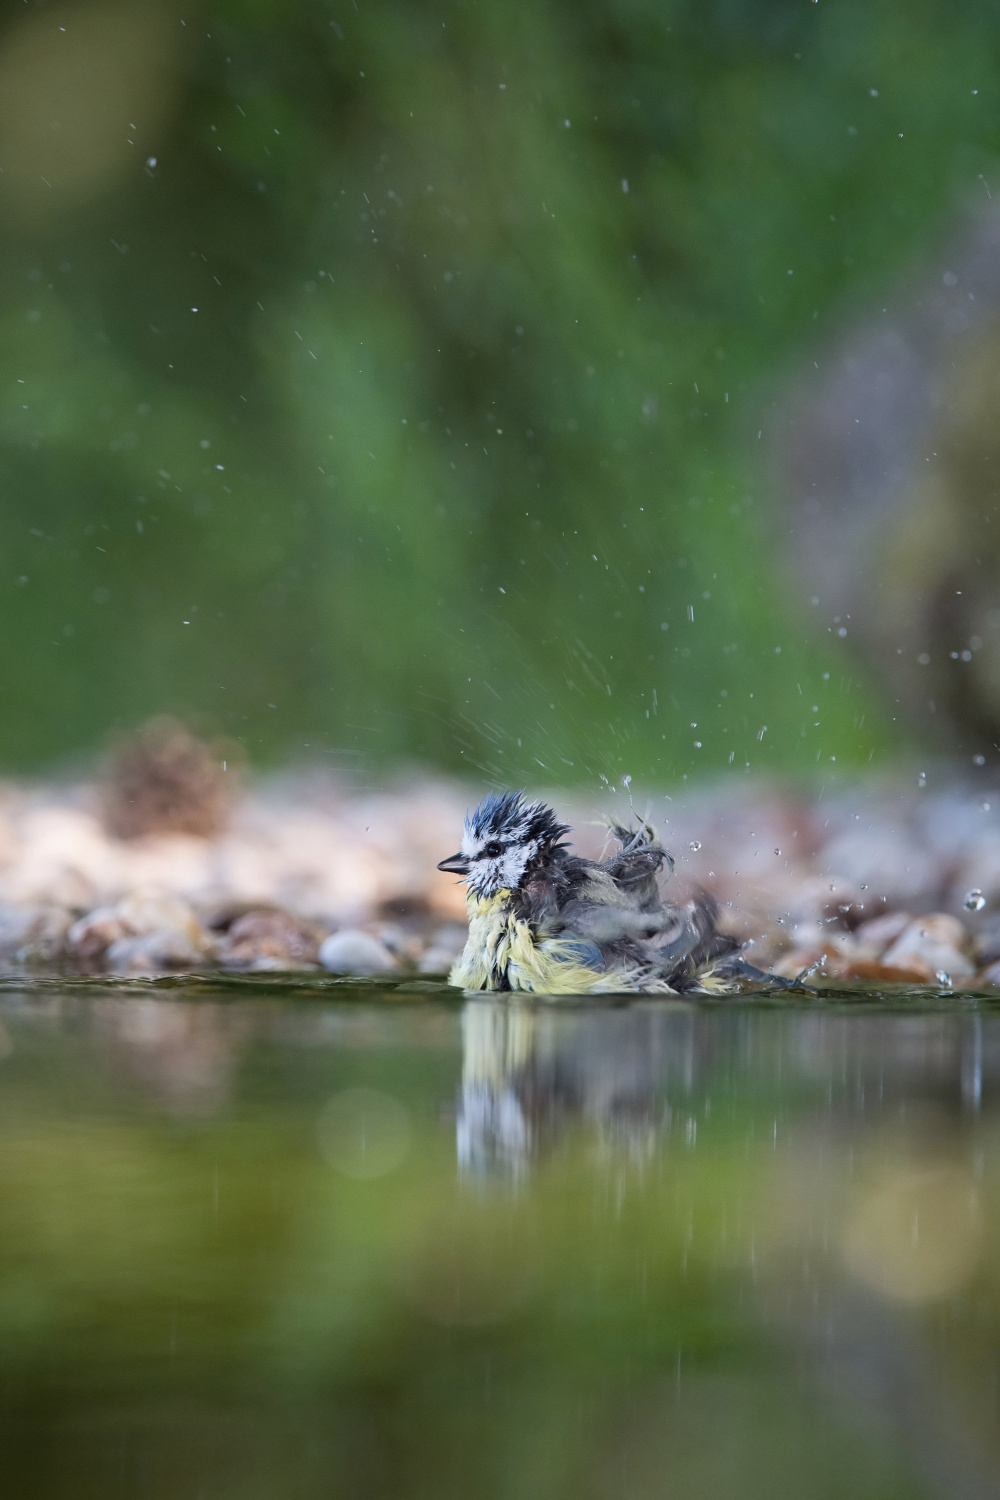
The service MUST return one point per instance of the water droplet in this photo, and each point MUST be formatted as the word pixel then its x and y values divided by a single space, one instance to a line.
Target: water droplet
pixel 695 845
pixel 979 760
pixel 943 979
pixel 974 901
pixel 922 779
pixel 777 851
pixel 864 887
pixel 985 806
pixel 626 782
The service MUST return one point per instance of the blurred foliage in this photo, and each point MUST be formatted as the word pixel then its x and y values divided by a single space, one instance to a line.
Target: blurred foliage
pixel 386 379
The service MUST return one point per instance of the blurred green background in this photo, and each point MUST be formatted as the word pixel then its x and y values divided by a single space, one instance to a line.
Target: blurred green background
pixel 383 381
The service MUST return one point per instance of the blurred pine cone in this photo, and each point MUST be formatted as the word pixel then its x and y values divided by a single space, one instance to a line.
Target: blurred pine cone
pixel 163 779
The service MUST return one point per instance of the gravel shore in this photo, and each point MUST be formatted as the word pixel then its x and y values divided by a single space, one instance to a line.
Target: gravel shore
pixel 894 879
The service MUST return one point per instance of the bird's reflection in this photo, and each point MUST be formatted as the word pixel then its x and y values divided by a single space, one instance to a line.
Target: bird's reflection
pixel 836 1167
pixel 495 1129
pixel 635 1074
pixel 528 1073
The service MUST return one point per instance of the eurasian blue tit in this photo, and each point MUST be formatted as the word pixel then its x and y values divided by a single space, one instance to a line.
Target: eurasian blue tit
pixel 548 921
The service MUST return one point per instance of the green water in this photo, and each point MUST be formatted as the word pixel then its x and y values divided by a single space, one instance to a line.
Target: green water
pixel 265 1241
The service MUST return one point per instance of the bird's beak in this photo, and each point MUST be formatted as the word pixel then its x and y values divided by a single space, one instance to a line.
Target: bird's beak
pixel 455 864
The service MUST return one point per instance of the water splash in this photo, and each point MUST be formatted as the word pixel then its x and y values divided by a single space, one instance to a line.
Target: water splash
pixel 810 969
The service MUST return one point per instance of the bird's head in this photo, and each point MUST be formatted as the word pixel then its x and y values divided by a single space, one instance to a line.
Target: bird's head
pixel 505 837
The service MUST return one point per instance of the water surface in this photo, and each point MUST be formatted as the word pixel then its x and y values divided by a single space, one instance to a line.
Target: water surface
pixel 293 1240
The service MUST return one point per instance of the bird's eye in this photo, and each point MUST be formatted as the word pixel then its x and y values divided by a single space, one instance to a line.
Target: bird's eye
pixel 493 850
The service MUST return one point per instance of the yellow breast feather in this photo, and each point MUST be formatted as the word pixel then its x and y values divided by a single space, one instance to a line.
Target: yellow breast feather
pixel 550 967
pixel 502 952
pixel 480 961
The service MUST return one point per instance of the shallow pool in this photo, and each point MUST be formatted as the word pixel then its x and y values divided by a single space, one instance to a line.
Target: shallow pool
pixel 277 1239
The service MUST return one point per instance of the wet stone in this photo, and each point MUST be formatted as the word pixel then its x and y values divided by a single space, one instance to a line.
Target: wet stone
pixel 403 942
pixel 33 934
pixel 875 935
pixel 269 939
pixel 93 935
pixel 987 944
pixel 352 951
pixel 892 863
pixel 936 943
pixel 154 953
pixel 445 946
pixel 146 932
pixel 896 948
pixel 871 971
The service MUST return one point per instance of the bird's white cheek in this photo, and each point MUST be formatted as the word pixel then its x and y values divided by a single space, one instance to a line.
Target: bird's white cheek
pixel 511 868
pixel 486 878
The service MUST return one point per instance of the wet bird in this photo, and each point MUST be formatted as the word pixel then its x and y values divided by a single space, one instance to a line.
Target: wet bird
pixel 549 921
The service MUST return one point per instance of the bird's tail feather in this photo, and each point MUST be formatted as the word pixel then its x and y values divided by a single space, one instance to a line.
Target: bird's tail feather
pixel 735 975
pixel 698 958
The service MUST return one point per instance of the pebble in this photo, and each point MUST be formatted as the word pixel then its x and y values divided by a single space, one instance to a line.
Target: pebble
pixel 875 935
pixel 405 945
pixel 888 861
pixel 145 933
pixel 94 934
pixel 936 943
pixel 871 971
pixel 269 939
pixel 445 946
pixel 352 951
pixel 436 961
pixel 987 944
pixel 891 949
pixel 33 934
pixel 153 953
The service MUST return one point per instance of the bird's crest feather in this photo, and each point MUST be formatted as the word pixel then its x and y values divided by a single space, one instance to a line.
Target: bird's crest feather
pixel 509 816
